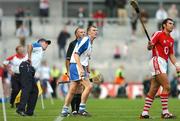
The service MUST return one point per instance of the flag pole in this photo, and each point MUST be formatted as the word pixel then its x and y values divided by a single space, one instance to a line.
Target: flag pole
pixel 42 101
pixel 3 100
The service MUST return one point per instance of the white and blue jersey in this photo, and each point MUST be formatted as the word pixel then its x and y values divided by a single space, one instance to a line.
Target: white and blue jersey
pixel 37 55
pixel 84 49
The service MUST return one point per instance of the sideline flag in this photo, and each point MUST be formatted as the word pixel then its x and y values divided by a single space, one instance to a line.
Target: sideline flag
pixel 18 97
pixel 3 101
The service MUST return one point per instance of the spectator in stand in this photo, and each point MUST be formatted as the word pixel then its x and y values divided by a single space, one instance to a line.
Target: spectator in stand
pixel 176 36
pixel 144 16
pixel 55 74
pixel 99 16
pixel 96 87
pixel 121 11
pixel 133 19
pixel 44 76
pixel 120 80
pixel 173 12
pixel 28 16
pixel 119 76
pixel 1 16
pixel 117 53
pixel 44 11
pixel 22 33
pixel 110 5
pixel 61 41
pixel 161 14
pixel 19 15
pixel 124 50
pixel 81 15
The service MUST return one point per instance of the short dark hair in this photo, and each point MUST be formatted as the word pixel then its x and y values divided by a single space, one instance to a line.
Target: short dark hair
pixel 165 21
pixel 89 27
pixel 17 48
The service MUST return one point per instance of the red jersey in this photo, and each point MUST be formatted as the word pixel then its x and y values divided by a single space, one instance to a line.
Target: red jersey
pixel 163 45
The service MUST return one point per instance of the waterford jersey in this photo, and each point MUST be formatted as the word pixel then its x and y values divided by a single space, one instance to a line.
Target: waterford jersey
pixel 37 55
pixel 163 45
pixel 83 48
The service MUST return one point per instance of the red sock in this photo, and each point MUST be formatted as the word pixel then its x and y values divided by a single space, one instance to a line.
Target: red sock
pixel 147 105
pixel 164 101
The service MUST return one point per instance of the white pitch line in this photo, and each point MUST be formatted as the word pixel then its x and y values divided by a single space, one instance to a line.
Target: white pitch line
pixel 59 118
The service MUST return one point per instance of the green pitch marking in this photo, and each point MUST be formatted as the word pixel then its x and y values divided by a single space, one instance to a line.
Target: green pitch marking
pixel 101 110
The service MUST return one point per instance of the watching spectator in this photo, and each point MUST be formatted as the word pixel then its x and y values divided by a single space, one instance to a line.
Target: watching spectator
pixel 110 5
pixel 173 12
pixel 81 15
pixel 61 41
pixel 161 14
pixel 28 16
pixel 19 15
pixel 121 11
pixel 22 33
pixel 99 16
pixel 44 11
pixel 1 16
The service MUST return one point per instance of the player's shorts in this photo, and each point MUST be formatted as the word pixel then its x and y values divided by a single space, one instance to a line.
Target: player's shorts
pixel 75 72
pixel 158 65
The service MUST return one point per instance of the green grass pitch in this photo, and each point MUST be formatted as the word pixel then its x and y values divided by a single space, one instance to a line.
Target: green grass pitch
pixel 101 110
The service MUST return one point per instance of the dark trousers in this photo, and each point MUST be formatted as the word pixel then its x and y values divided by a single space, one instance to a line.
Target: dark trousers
pixel 29 88
pixel 53 85
pixel 62 50
pixel 76 102
pixel 16 86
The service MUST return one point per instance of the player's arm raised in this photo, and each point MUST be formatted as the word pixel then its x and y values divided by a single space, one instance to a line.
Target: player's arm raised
pixel 29 51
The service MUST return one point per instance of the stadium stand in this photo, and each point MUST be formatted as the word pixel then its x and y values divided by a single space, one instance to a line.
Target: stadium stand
pixel 135 63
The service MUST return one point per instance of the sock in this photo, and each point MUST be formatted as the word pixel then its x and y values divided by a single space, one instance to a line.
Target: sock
pixel 82 107
pixel 78 101
pixel 73 103
pixel 147 105
pixel 164 102
pixel 65 109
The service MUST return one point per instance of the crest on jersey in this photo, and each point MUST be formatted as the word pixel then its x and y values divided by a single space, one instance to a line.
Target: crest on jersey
pixel 164 41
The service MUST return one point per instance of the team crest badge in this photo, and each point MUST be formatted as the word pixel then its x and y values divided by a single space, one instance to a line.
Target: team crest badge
pixel 164 41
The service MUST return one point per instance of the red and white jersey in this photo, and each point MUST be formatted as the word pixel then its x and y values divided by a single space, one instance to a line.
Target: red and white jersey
pixel 163 45
pixel 15 61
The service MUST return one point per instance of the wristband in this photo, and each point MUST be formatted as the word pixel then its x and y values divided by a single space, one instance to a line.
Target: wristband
pixel 177 64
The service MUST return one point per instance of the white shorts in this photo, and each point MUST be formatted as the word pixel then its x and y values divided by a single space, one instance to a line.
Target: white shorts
pixel 158 65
